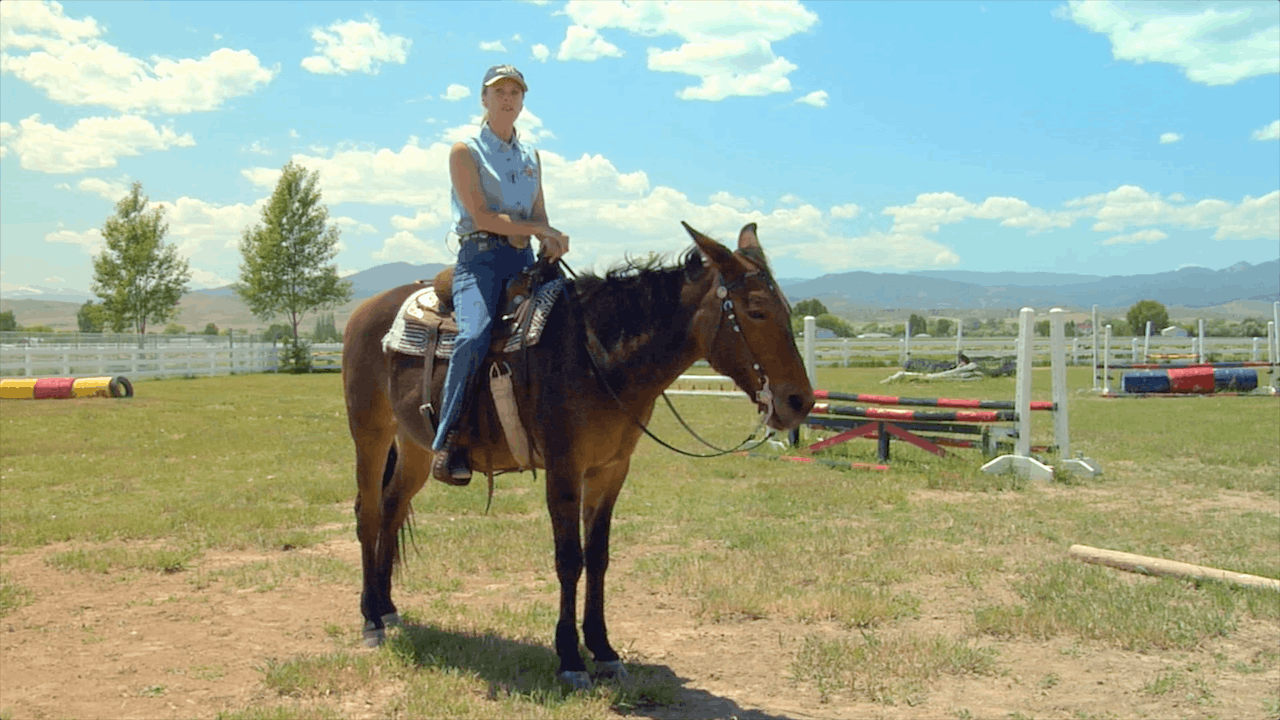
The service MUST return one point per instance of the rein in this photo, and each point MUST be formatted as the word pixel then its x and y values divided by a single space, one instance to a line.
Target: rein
pixel 727 306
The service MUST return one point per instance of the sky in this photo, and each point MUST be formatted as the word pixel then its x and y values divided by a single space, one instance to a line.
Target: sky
pixel 1102 138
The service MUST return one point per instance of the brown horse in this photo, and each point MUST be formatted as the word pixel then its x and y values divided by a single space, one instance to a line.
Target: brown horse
pixel 609 349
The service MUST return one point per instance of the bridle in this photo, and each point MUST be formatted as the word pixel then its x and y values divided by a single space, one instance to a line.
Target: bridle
pixel 724 292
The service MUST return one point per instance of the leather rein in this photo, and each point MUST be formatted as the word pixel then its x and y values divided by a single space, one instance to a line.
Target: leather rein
pixel 763 395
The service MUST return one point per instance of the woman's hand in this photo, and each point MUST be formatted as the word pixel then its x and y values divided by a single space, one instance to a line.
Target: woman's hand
pixel 554 244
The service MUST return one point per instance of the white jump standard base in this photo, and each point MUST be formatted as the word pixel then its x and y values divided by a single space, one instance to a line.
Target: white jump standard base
pixel 1021 461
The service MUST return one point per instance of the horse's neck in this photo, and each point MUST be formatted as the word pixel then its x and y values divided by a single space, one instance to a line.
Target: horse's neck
pixel 645 334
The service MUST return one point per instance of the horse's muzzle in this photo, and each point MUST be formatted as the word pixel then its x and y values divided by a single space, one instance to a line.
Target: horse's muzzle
pixel 788 406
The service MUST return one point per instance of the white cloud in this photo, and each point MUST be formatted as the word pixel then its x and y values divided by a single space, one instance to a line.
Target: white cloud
pixel 1169 138
pixel 1130 206
pixel 540 52
pixel 293 134
pixel 1268 132
pixel 257 147
pixel 846 211
pixel 456 92
pixel 1147 236
pixel 582 43
pixel 423 219
pixel 350 224
pixel 404 246
pixel 1213 43
pixel 94 142
pixel 495 45
pixel 7 131
pixel 105 189
pixel 726 45
pixel 516 38
pixel 90 241
pixel 817 98
pixel 528 125
pixel 730 200
pixel 354 46
pixel 1252 219
pixel 54 279
pixel 65 58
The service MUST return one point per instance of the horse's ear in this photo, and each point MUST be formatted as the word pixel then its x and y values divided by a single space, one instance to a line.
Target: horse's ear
pixel 714 252
pixel 747 238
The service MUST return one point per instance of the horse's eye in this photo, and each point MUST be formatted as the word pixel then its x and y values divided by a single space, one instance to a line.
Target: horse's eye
pixel 755 315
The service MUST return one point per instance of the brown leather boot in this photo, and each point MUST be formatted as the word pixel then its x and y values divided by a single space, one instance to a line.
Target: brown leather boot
pixel 449 466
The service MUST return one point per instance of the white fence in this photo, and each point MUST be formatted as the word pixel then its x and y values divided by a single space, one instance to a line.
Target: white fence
pixel 164 360
pixel 895 351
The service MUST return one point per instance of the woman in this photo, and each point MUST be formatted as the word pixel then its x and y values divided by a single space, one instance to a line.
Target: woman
pixel 497 206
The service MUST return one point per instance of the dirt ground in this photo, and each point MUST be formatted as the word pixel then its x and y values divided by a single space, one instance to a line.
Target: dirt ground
pixel 157 646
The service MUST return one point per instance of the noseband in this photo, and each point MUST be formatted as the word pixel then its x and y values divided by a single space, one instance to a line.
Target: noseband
pixel 763 395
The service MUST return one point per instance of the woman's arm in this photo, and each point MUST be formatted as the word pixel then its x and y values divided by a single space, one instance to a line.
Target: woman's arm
pixel 466 183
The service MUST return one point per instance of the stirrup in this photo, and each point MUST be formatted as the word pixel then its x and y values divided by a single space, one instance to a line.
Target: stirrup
pixel 444 467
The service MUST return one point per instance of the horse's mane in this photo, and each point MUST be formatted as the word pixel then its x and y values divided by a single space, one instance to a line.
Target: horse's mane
pixel 634 308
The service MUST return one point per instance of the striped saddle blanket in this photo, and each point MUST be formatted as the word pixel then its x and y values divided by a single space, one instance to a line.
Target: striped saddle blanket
pixel 420 324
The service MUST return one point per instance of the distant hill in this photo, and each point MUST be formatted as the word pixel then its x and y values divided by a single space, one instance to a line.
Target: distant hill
pixel 1242 290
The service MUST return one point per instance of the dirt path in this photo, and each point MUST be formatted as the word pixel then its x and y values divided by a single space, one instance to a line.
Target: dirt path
pixel 146 645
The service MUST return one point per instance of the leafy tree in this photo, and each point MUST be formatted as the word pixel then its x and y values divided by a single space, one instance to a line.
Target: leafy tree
pixel 1141 312
pixel 1069 328
pixel 812 306
pixel 942 328
pixel 1253 327
pixel 1042 328
pixel 175 329
pixel 326 330
pixel 278 332
pixel 38 329
pixel 287 266
pixel 139 278
pixel 8 321
pixel 839 326
pixel 91 317
pixel 916 324
pixel 210 329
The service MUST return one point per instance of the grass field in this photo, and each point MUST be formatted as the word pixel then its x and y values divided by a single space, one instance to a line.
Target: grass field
pixel 932 590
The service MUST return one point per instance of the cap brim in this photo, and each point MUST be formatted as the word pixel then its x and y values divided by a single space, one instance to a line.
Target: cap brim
pixel 517 80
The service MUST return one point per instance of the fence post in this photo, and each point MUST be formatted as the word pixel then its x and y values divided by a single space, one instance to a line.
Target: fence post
pixel 1061 419
pixel 26 361
pixel 1146 344
pixel 1021 461
pixel 844 353
pixel 1106 360
pixel 1203 354
pixel 906 343
pixel 1133 350
pixel 1094 327
pixel 959 336
pixel 810 360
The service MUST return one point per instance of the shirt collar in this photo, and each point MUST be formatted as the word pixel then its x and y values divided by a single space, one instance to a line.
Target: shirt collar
pixel 491 138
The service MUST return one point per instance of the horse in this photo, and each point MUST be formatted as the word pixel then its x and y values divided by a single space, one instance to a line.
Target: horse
pixel 611 345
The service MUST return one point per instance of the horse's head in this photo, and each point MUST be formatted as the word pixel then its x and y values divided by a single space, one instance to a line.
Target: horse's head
pixel 743 328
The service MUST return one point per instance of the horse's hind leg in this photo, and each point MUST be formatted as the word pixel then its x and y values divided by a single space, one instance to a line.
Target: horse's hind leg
pixel 376 460
pixel 600 493
pixel 397 502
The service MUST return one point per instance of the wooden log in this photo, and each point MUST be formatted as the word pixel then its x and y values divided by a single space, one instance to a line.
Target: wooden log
pixel 1171 568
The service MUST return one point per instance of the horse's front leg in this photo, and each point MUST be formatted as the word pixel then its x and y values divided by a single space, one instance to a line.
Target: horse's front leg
pixel 601 492
pixel 564 501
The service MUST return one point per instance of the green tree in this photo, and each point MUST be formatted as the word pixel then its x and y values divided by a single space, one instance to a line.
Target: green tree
pixel 1253 327
pixel 91 317
pixel 326 330
pixel 942 328
pixel 8 321
pixel 1145 310
pixel 210 329
pixel 1042 328
pixel 916 324
pixel 1069 328
pixel 287 267
pixel 812 306
pixel 839 326
pixel 139 278
pixel 175 329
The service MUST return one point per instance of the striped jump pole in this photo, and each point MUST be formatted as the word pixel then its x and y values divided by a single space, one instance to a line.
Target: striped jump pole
pixel 65 387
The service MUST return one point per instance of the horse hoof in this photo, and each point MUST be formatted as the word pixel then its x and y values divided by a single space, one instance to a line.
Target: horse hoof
pixel 373 637
pixel 611 670
pixel 391 620
pixel 576 679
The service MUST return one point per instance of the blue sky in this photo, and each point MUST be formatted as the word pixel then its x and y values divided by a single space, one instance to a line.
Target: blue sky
pixel 1102 138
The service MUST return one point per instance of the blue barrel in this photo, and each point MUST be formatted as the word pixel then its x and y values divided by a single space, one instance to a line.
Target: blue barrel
pixel 1235 379
pixel 1145 381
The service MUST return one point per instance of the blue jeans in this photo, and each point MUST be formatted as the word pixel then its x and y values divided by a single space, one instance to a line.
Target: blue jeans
pixel 478 281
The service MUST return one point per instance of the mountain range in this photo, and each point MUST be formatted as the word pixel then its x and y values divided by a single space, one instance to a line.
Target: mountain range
pixel 1242 287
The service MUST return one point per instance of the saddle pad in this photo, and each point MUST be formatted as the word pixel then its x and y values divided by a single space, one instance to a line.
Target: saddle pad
pixel 419 313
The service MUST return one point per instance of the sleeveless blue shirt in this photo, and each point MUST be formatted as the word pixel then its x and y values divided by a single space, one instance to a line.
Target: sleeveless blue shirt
pixel 508 178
